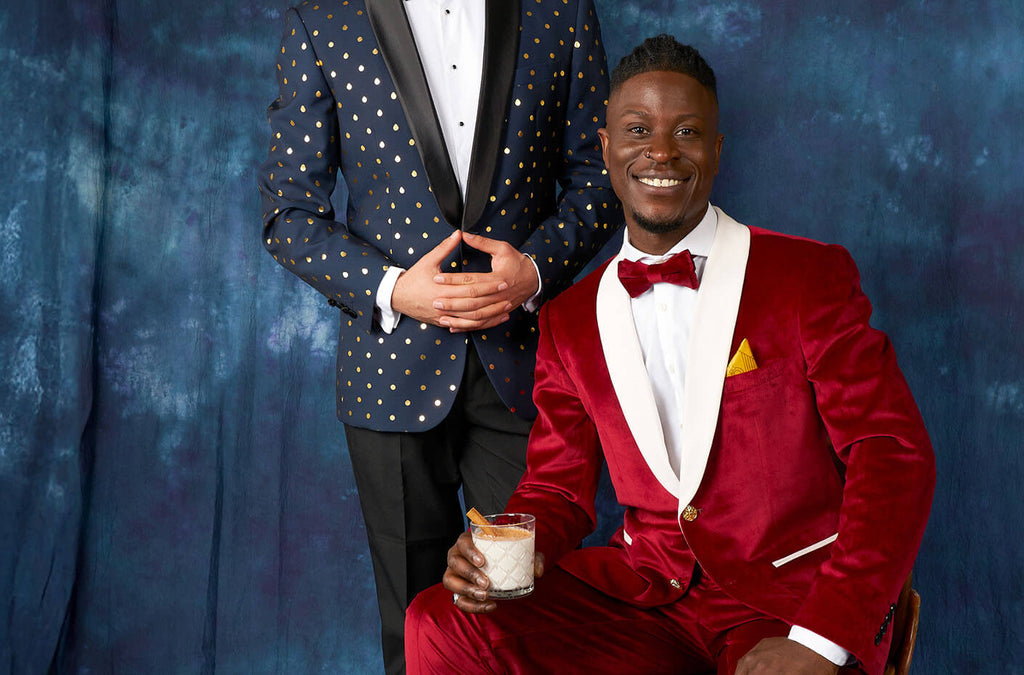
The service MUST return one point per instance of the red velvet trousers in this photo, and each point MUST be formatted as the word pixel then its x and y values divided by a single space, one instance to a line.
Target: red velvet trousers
pixel 566 626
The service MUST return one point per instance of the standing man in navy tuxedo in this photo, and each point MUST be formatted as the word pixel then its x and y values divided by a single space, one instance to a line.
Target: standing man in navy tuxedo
pixel 465 133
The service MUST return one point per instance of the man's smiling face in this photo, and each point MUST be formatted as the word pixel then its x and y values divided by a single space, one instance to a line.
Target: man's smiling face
pixel 661 147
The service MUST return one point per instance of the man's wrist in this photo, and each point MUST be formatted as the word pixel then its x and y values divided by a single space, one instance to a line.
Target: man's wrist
pixel 532 303
pixel 386 315
pixel 820 645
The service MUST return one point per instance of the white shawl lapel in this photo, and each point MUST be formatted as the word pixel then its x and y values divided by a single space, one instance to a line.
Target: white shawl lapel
pixel 625 360
pixel 714 319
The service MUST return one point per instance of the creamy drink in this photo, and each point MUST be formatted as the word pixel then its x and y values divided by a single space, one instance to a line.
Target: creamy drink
pixel 507 545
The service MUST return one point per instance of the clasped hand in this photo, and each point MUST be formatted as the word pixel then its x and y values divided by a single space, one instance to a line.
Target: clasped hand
pixel 465 301
pixel 465 578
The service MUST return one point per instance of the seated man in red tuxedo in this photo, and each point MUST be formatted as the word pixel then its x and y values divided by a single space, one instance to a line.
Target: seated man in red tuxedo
pixel 775 471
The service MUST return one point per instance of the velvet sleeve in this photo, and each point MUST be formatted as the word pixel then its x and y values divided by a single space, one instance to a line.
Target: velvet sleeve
pixel 563 460
pixel 879 438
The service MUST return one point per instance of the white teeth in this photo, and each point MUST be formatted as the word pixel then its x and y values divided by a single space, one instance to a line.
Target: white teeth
pixel 660 182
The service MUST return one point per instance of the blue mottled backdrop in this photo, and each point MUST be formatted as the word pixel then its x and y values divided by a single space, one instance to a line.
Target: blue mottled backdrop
pixel 175 493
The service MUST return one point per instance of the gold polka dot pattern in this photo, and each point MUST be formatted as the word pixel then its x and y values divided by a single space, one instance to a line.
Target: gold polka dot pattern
pixel 339 116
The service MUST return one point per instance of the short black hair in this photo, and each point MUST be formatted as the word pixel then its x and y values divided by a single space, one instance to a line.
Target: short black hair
pixel 663 52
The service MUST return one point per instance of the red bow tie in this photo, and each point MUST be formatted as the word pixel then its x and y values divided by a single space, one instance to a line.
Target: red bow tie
pixel 636 277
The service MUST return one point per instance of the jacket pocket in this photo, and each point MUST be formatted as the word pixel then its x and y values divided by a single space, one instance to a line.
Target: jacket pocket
pixel 756 378
pixel 805 550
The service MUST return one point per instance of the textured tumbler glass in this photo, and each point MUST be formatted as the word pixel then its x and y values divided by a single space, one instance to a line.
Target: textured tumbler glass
pixel 507 545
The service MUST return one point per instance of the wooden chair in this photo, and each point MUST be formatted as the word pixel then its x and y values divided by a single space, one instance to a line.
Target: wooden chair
pixel 904 627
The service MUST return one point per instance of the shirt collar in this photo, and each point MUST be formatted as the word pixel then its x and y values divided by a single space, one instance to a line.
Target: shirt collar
pixel 698 242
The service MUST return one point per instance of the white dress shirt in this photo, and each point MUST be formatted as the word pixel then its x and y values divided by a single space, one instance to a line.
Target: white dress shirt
pixel 449 37
pixel 663 316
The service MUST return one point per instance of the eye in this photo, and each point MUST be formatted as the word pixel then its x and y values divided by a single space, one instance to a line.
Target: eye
pixel 685 131
pixel 637 130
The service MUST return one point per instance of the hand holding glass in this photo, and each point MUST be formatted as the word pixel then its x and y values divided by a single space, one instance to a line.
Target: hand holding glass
pixel 507 545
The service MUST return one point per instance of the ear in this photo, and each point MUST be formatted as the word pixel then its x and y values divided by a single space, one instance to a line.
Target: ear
pixel 603 135
pixel 718 151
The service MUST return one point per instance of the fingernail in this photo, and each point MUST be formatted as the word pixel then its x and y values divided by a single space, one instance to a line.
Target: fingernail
pixel 478 560
pixel 445 322
pixel 438 304
pixel 480 595
pixel 438 279
pixel 502 286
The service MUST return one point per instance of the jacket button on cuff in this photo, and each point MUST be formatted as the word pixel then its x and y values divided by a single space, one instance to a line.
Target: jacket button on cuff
pixel 689 513
pixel 675 583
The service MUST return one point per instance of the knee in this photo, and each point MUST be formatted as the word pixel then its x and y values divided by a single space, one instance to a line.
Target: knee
pixel 437 634
pixel 425 611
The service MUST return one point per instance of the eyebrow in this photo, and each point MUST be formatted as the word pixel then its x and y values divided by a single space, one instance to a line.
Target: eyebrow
pixel 680 118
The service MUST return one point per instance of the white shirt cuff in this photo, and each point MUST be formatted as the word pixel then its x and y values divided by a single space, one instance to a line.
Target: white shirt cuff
pixel 826 648
pixel 387 317
pixel 532 303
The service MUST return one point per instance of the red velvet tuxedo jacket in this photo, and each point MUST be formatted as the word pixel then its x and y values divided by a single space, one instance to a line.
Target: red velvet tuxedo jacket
pixel 806 483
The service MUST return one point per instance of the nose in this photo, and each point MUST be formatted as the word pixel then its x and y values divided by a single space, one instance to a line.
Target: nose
pixel 661 148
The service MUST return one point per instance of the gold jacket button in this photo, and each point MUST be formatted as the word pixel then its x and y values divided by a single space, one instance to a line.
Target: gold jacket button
pixel 689 514
pixel 675 583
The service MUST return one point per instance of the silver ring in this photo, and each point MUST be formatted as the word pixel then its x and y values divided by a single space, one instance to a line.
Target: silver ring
pixel 455 598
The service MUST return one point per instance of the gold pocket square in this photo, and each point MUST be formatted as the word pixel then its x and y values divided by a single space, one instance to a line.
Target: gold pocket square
pixel 742 361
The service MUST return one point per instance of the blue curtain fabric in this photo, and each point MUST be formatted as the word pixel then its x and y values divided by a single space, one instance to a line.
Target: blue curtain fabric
pixel 175 492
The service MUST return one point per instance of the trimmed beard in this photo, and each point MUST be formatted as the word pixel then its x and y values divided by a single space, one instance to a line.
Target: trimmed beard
pixel 657 226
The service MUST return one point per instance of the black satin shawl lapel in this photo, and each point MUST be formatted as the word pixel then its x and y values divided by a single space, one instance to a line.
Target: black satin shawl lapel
pixel 501 50
pixel 394 35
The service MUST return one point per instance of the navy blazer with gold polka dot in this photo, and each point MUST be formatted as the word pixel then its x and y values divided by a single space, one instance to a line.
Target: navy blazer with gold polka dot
pixel 354 106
